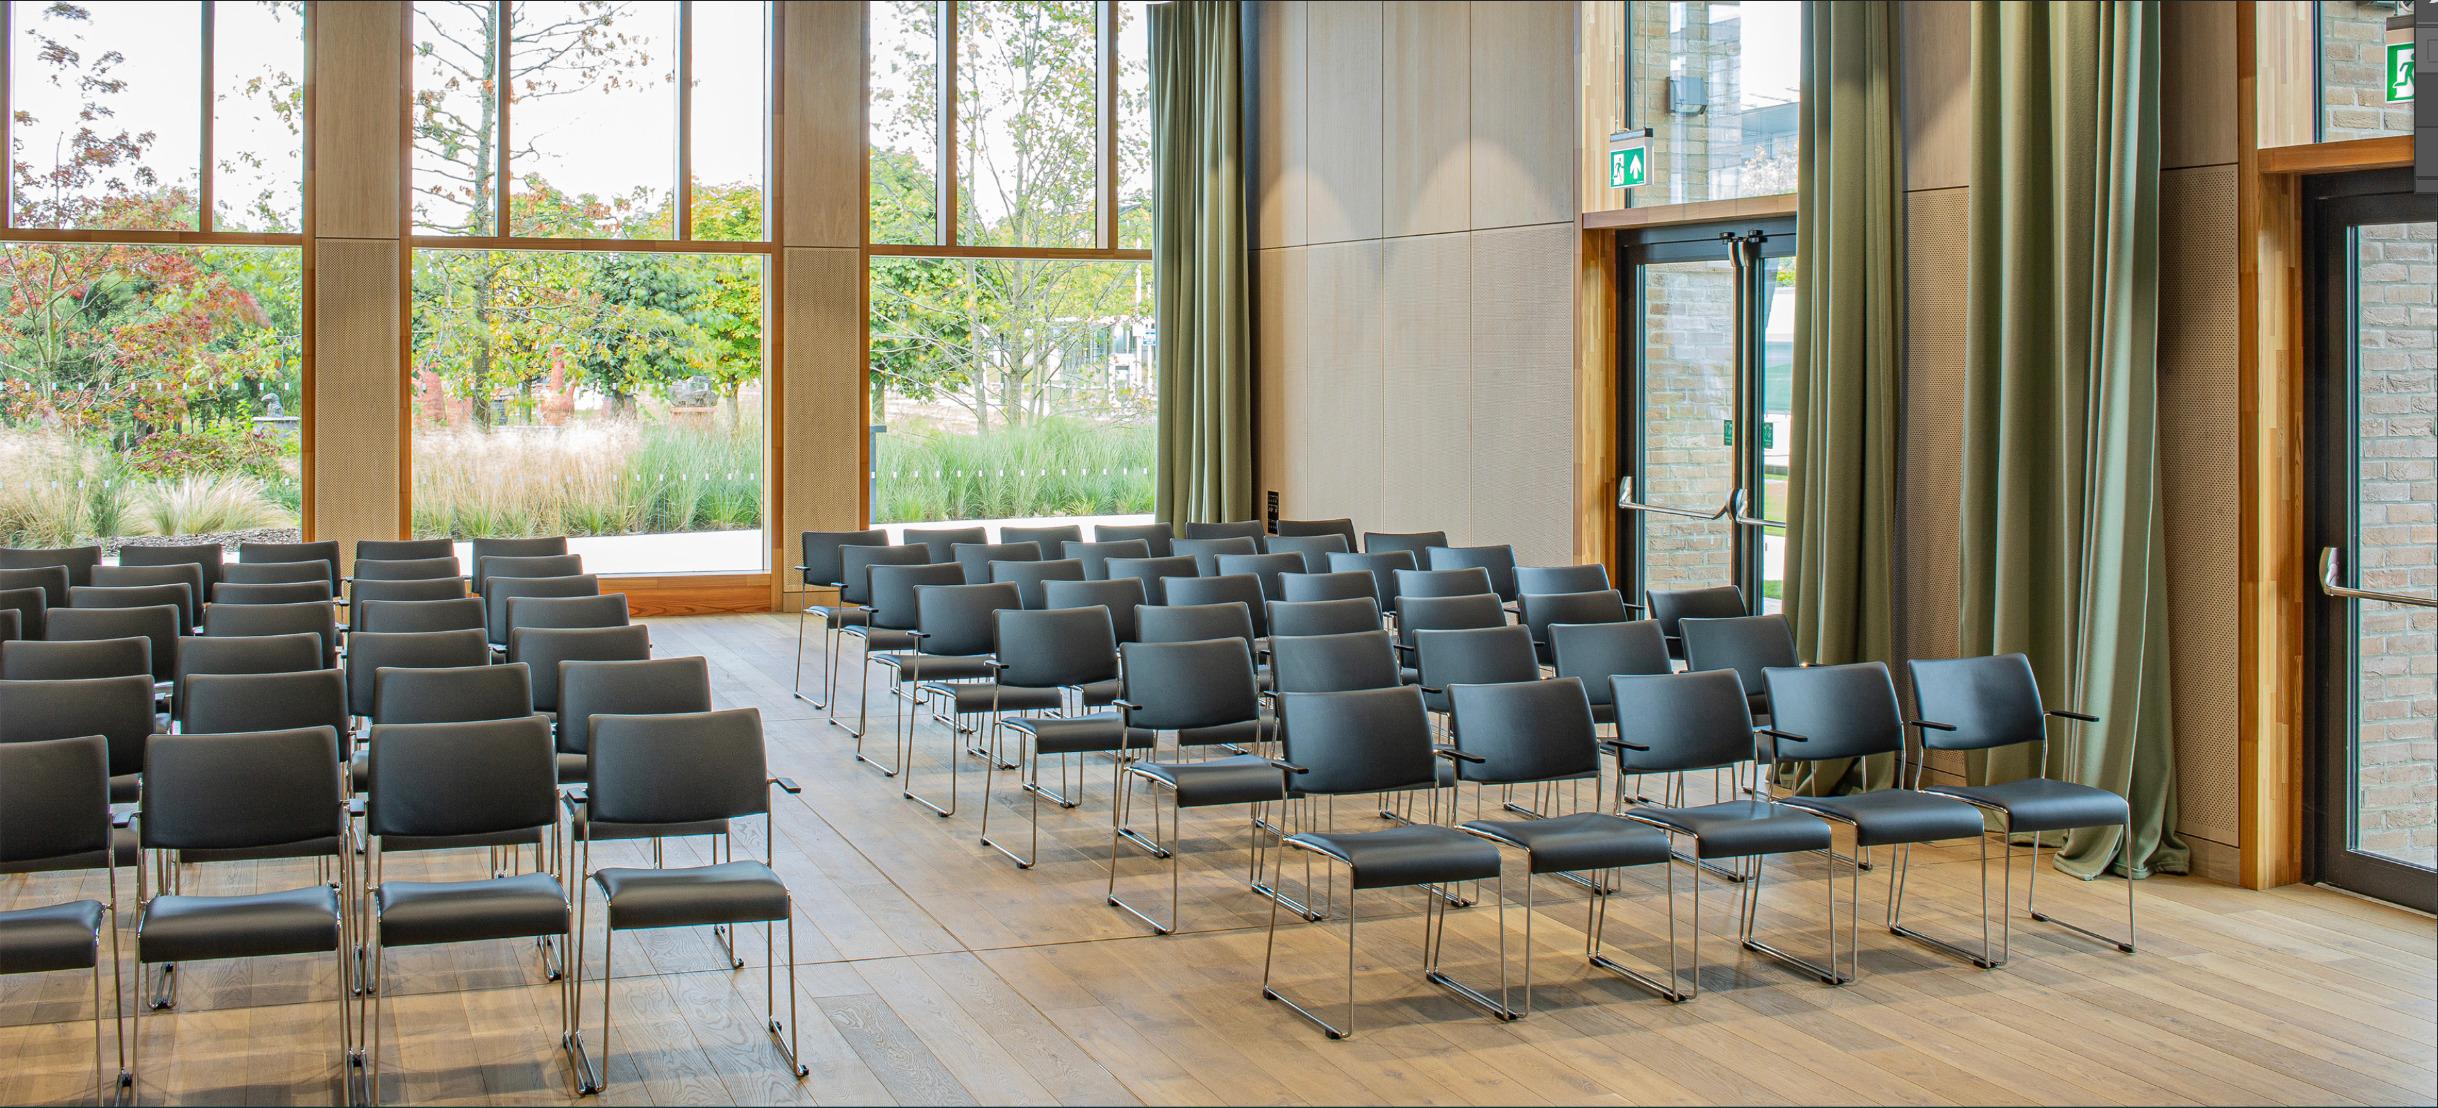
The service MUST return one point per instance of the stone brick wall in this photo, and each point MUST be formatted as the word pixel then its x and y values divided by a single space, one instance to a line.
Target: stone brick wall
pixel 1700 154
pixel 1689 390
pixel 2353 73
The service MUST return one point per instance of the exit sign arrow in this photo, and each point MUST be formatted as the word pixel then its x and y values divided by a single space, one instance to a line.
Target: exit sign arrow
pixel 1629 168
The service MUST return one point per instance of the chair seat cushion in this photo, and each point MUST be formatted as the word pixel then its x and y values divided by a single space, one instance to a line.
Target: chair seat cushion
pixel 1094 733
pixel 695 896
pixel 1739 828
pixel 936 667
pixel 1896 815
pixel 1603 713
pixel 1586 840
pixel 52 937
pixel 200 928
pixel 967 697
pixel 1242 779
pixel 877 639
pixel 574 767
pixel 1099 694
pixel 1419 854
pixel 2044 804
pixel 419 913
pixel 125 788
pixel 836 616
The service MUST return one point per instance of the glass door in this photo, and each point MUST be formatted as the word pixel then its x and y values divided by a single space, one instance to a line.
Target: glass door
pixel 2372 807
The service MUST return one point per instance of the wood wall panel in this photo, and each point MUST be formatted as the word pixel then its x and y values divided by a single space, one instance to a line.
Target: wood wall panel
pixel 822 130
pixel 1279 102
pixel 358 398
pixel 1426 89
pixel 1427 378
pixel 824 415
pixel 1523 481
pixel 1342 192
pixel 1278 359
pixel 1341 401
pixel 1522 151
pixel 2197 85
pixel 1937 233
pixel 1935 70
pixel 358 110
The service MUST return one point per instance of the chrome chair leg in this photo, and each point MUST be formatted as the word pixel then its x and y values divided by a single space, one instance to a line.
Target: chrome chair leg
pixel 791 1048
pixel 1434 942
pixel 796 685
pixel 1120 833
pixel 1269 952
pixel 1900 864
pixel 2031 896
pixel 1747 928
pixel 1596 939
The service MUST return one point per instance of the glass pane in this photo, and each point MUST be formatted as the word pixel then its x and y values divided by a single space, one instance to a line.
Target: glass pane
pixel 615 398
pixel 1028 130
pixel 1012 391
pixel 1717 85
pixel 150 392
pixel 1776 427
pixel 258 109
pixel 2353 71
pixel 905 136
pixel 106 106
pixel 1688 398
pixel 2395 678
pixel 593 119
pixel 731 119
pixel 1134 125
pixel 455 117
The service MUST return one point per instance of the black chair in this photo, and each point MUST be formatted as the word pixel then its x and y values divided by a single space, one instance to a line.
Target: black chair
pixel 1049 537
pixel 210 557
pixel 1444 613
pixel 856 562
pixel 1494 655
pixel 235 654
pixel 227 703
pixel 1497 561
pixel 1540 611
pixel 652 772
pixel 176 596
pixel 1303 587
pixel 1030 577
pixel 1550 580
pixel 364 591
pixel 1289 618
pixel 185 575
pixel 440 567
pixel 403 549
pixel 1313 549
pixel 975 558
pixel 119 709
pixel 1156 538
pixel 1241 529
pixel 157 624
pixel 1594 652
pixel 316 591
pixel 1689 722
pixel 543 649
pixel 1335 662
pixel 1206 552
pixel 824 567
pixel 1382 568
pixel 277 619
pixel 1375 741
pixel 661 686
pixel 1070 653
pixel 1984 703
pixel 326 553
pixel 37 660
pixel 1746 644
pixel 463 613
pixel 942 541
pixel 1850 711
pixel 607 609
pixel 889 629
pixel 12 623
pixel 482 550
pixel 1267 568
pixel 1416 543
pixel 498 591
pixel 1122 598
pixel 32 605
pixel 1444 582
pixel 370 652
pixel 462 694
pixel 1241 588
pixel 1152 572
pixel 77 560
pixel 273 573
pixel 1342 528
pixel 1206 693
pixel 1672 606
pixel 1096 556
pixel 950 668
pixel 55 815
pixel 522 558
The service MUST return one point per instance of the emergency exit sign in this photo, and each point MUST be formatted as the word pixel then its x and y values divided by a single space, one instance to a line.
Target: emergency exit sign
pixel 1629 167
pixel 2399 76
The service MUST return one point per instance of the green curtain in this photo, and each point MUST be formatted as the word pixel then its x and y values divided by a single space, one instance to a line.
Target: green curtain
pixel 2060 522
pixel 1198 262
pixel 1841 481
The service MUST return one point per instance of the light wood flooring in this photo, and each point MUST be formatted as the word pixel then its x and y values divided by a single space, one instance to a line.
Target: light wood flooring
pixel 931 970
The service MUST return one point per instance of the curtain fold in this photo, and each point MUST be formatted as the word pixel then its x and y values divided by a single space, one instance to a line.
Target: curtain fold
pixel 2061 528
pixel 1198 262
pixel 1840 592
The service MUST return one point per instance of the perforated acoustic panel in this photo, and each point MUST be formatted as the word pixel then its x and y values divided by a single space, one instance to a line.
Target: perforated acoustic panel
pixel 821 391
pixel 1279 355
pixel 357 392
pixel 1936 235
pixel 1341 420
pixel 1523 390
pixel 1427 386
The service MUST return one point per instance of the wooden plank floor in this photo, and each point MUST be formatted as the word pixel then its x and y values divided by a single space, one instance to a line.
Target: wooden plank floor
pixel 930 970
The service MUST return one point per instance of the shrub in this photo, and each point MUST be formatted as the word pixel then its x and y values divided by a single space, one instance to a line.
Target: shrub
pixel 224 448
pixel 45 482
pixel 1051 468
pixel 206 504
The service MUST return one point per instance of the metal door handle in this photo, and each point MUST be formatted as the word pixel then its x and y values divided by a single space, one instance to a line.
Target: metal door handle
pixel 2329 566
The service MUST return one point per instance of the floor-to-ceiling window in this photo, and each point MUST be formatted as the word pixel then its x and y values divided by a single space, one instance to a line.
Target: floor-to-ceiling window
pixel 587 290
pixel 151 356
pixel 1013 359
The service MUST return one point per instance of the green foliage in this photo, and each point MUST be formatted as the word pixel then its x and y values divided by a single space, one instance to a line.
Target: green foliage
pixel 225 448
pixel 1052 467
pixel 206 504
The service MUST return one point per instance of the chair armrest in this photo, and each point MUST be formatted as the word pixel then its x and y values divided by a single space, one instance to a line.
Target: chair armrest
pixel 787 785
pixel 122 817
pixel 1288 766
pixel 1633 607
pixel 1401 648
pixel 1431 690
pixel 1930 724
pixel 1445 751
pixel 800 568
pixel 2062 713
pixel 355 806
pixel 1124 704
pixel 1788 736
pixel 1621 744
pixel 574 796
pixel 994 664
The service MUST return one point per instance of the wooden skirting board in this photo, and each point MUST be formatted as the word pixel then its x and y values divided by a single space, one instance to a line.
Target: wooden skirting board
pixel 647 597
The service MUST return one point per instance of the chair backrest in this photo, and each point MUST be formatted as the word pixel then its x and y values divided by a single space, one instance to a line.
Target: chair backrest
pixel 607 609
pixel 273 573
pixel 365 591
pixel 28 611
pixel 975 557
pixel 1333 663
pixel 201 654
pixel 243 790
pixel 219 703
pixel 1157 538
pixel 1151 572
pixel 325 552
pixel 1096 555
pixel 1846 711
pixel 499 590
pixel 1313 549
pixel 542 649
pixel 942 541
pixel 185 575
pixel 1447 613
pixel 1237 588
pixel 538 547
pixel 1526 731
pixel 1745 644
pixel 1416 543
pixel 1183 686
pixel 1265 568
pixel 119 709
pixel 658 686
pixel 1671 606
pixel 1683 721
pixel 1471 581
pixel 1382 568
pixel 207 556
pixel 447 780
pixel 1049 537
pixel 858 561
pixel 824 553
pixel 408 569
pixel 38 660
pixel 1359 741
pixel 1122 598
pixel 55 804
pixel 958 619
pixel 895 589
pixel 1539 611
pixel 1497 561
pixel 51 580
pixel 1300 587
pixel 1595 652
pixel 463 613
pixel 1476 656
pixel 1343 528
pixel 388 550
pixel 1028 577
pixel 158 623
pixel 1990 701
pixel 1290 618
pixel 1206 552
pixel 1054 648
pixel 1158 623
pixel 688 767
pixel 177 596
pixel 316 591
pixel 1551 580
pixel 370 652
pixel 489 566
pixel 12 624
pixel 450 695
pixel 77 560
pixel 276 619
pixel 1237 528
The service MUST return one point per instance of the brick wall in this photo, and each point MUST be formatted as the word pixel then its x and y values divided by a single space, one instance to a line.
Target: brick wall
pixel 2353 73
pixel 1702 153
pixel 1688 348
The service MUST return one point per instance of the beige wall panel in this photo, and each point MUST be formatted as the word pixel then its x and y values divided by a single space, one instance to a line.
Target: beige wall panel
pixel 1523 135
pixel 2197 84
pixel 1523 392
pixel 824 420
pixel 1425 92
pixel 1341 400
pixel 1278 359
pixel 1426 371
pixel 1276 71
pixel 1936 234
pixel 822 124
pixel 1934 46
pixel 357 392
pixel 1342 67
pixel 358 54
pixel 2199 416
